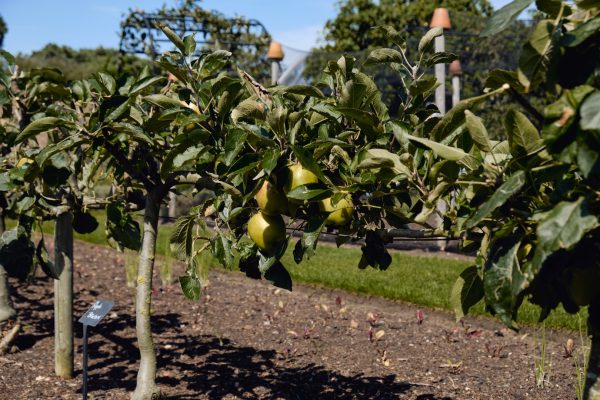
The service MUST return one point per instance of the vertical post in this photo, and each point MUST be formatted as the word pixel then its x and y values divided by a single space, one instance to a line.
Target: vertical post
pixel 455 72
pixel 274 72
pixel 63 294
pixel 440 19
pixel 440 75
pixel 85 362
pixel 275 55
pixel 172 206
pixel 455 90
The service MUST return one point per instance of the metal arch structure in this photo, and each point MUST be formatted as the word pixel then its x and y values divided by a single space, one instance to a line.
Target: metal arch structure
pixel 141 34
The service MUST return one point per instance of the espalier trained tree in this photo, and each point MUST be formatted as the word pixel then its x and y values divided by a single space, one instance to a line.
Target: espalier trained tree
pixel 47 177
pixel 150 139
pixel 534 211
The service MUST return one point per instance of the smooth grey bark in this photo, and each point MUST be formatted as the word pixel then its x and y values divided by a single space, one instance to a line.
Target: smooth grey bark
pixel 63 296
pixel 6 309
pixel 146 386
pixel 592 383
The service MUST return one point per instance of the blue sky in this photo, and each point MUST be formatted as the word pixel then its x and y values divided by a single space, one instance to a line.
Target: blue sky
pixel 93 23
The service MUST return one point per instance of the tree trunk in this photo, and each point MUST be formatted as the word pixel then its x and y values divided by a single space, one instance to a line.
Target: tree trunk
pixel 592 384
pixel 146 387
pixel 6 309
pixel 63 296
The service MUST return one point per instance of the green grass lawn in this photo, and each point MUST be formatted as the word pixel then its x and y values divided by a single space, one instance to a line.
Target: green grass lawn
pixel 422 280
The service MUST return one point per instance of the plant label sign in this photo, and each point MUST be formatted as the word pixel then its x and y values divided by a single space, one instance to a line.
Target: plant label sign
pixel 96 312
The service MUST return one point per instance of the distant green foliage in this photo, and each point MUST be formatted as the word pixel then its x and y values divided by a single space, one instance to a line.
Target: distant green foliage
pixel 81 64
pixel 3 30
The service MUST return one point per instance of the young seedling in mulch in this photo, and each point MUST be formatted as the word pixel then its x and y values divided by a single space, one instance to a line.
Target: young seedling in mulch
pixel 372 319
pixel 495 351
pixel 420 315
pixel 453 368
pixel 569 347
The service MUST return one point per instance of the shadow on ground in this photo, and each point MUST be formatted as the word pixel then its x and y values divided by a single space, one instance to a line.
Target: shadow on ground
pixel 204 365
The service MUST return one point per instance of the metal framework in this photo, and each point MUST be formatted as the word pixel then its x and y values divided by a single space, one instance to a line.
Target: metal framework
pixel 140 33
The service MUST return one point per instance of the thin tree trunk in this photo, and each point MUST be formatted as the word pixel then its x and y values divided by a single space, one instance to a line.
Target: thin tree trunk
pixel 592 384
pixel 63 296
pixel 6 309
pixel 146 387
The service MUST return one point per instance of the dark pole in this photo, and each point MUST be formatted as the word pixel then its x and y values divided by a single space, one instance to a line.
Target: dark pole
pixel 85 361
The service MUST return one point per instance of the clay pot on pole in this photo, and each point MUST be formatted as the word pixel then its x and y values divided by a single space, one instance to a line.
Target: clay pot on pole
pixel 275 55
pixel 455 73
pixel 441 18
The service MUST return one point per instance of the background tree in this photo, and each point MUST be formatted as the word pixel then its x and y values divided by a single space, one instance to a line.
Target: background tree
pixel 350 32
pixel 3 30
pixel 83 63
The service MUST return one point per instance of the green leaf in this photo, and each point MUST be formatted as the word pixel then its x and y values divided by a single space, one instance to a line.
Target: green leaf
pixel 364 119
pixel 38 126
pixel 304 90
pixel 537 54
pixel 505 16
pixel 134 131
pixel 562 228
pixel 214 62
pixel 455 117
pixel 181 239
pixel 590 112
pixel 249 108
pixel 426 41
pixel 310 237
pixel 221 248
pixel 234 143
pixel 118 112
pixel 162 101
pixel 523 137
pixel 308 192
pixel 498 77
pixel 478 132
pixel 503 280
pixel 445 152
pixel 381 158
pixel 107 82
pixel 84 222
pixel 55 177
pixel 269 160
pixel 508 189
pixel 441 57
pixel 144 83
pixel 45 262
pixel 122 231
pixel 384 56
pixel 190 44
pixel 581 33
pixel 173 37
pixel 279 276
pixel 466 292
pixel 17 252
pixel 374 253
pixel 190 286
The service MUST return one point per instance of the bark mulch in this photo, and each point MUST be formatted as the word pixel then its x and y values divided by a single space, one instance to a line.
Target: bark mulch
pixel 248 340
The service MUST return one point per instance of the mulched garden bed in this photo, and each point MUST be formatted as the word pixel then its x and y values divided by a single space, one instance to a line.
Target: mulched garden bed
pixel 248 340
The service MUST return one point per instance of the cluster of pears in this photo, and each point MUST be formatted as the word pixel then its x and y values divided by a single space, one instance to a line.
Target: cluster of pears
pixel 267 227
